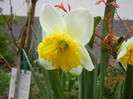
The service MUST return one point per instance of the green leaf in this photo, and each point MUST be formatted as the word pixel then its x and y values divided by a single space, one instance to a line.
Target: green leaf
pixel 49 92
pixel 120 40
pixel 63 79
pixel 104 52
pixel 88 79
pixel 128 90
pixel 58 92
pixel 92 75
pixel 81 86
pixel 39 35
pixel 97 20
pixel 40 85
pixel 71 84
pixel 4 83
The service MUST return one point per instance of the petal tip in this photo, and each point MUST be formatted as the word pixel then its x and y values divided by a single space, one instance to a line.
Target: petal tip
pixel 76 71
pixel 45 64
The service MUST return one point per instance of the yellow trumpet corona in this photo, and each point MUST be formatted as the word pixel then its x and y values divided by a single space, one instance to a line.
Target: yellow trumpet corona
pixel 60 50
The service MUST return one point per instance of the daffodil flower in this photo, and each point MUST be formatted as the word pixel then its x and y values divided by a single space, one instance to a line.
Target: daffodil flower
pixel 63 45
pixel 126 53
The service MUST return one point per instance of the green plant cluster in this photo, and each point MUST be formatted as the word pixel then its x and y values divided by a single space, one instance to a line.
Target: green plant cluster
pixel 5 51
pixel 4 84
pixel 6 41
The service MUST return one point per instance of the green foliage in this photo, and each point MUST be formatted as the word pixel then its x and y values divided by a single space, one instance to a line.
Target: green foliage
pixel 9 55
pixel 119 41
pixel 8 18
pixel 97 20
pixel 114 81
pixel 58 92
pixel 39 35
pixel 33 55
pixel 5 41
pixel 104 52
pixel 88 79
pixel 71 82
pixel 4 83
pixel 128 90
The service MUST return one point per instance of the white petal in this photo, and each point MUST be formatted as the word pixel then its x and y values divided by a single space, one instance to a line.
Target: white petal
pixel 79 24
pixel 123 48
pixel 86 61
pixel 126 44
pixel 51 20
pixel 44 34
pixel 45 64
pixel 121 54
pixel 129 42
pixel 76 71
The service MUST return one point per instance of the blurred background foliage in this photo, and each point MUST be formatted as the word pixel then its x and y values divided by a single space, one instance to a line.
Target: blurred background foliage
pixel 4 84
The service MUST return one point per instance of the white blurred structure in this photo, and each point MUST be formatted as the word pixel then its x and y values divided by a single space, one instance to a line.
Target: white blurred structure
pixel 20 8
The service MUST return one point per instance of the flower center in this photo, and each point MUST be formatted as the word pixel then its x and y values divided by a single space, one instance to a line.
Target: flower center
pixel 63 45
pixel 128 57
pixel 60 50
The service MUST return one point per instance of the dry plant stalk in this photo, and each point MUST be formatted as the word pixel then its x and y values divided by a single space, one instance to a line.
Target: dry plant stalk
pixel 5 61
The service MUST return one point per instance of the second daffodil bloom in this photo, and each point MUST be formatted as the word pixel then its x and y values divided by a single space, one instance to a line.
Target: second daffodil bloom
pixel 126 53
pixel 63 46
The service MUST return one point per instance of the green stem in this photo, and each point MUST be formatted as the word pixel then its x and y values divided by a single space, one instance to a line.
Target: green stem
pixel 81 86
pixel 104 52
pixel 88 79
pixel 128 90
pixel 63 76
